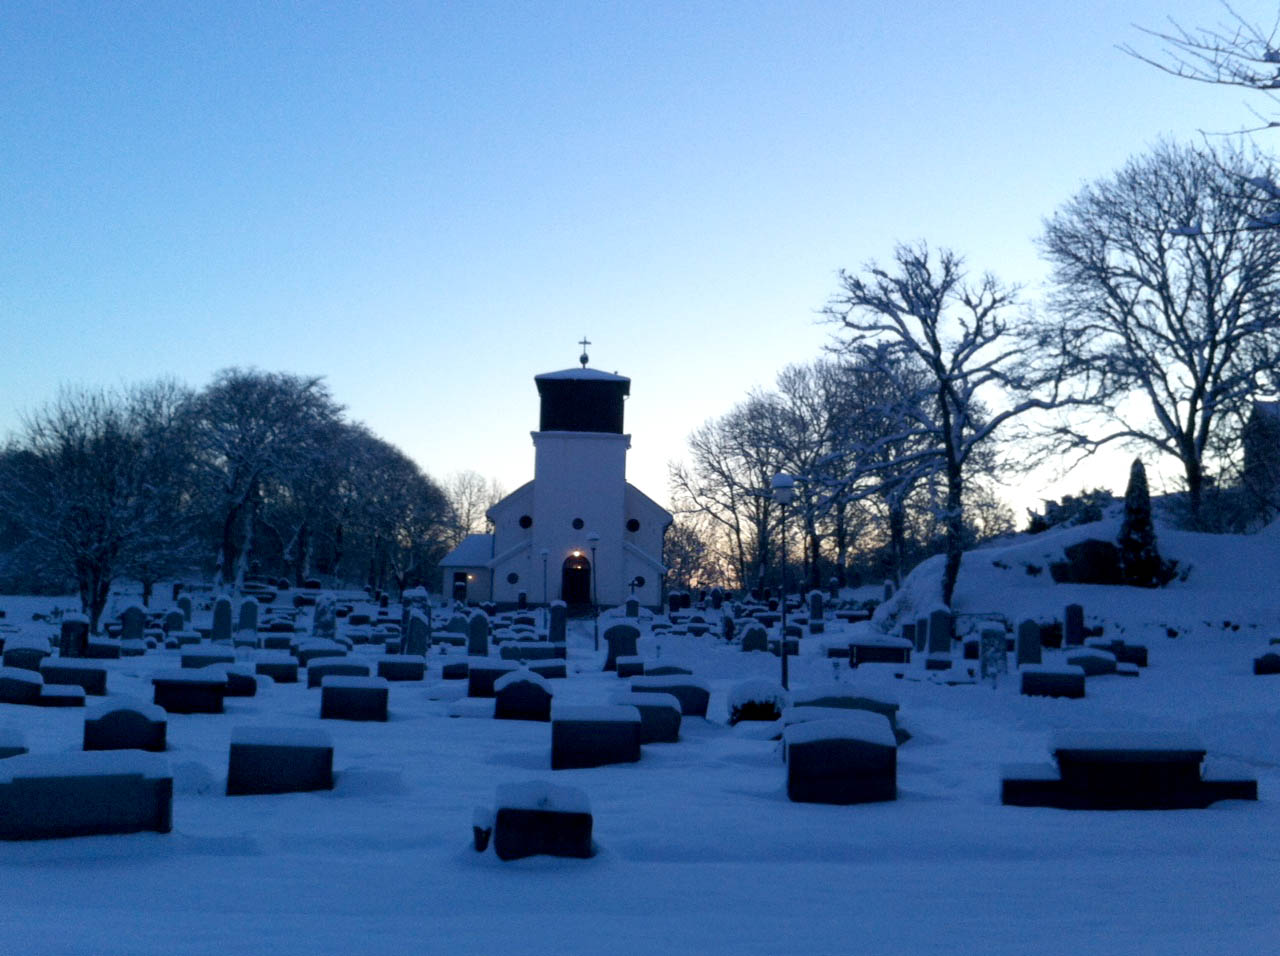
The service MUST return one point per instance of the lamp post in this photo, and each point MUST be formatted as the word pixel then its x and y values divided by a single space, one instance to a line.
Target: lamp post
pixel 783 489
pixel 593 539
pixel 546 603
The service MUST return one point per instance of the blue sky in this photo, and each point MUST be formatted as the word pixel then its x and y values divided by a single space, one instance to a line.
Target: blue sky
pixel 430 203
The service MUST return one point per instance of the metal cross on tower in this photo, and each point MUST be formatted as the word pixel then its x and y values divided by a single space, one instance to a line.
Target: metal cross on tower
pixel 583 357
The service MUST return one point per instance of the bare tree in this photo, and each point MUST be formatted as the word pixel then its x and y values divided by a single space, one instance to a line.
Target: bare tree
pixel 1166 306
pixel 87 481
pixel 470 495
pixel 1236 52
pixel 927 312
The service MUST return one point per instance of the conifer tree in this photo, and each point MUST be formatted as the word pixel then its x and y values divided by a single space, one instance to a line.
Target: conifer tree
pixel 1140 560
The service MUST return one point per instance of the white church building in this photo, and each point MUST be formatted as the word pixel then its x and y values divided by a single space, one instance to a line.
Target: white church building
pixel 578 532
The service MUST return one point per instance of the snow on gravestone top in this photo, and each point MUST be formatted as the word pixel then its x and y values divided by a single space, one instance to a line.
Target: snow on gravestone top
pixel 674 680
pixel 21 674
pixel 669 701
pixel 84 763
pixel 491 664
pixel 353 683
pixel 594 713
pixel 1126 740
pixel 522 676
pixel 260 736
pixel 198 675
pixel 152 712
pixel 814 692
pixel 1061 670
pixel 860 725
pixel 539 795
pixel 804 714
pixel 26 642
pixel 75 617
pixel 74 664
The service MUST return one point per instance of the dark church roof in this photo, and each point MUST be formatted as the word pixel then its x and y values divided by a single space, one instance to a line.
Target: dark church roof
pixel 584 375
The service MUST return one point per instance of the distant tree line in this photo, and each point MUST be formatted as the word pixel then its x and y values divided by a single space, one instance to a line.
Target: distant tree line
pixel 1160 334
pixel 259 473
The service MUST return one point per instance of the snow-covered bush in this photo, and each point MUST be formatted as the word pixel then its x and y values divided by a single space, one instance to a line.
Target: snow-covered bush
pixel 756 700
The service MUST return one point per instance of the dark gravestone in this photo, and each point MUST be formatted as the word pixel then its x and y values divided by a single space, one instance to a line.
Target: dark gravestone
pixel 44 796
pixel 843 760
pixel 184 605
pixel 559 621
pixel 320 669
pixel 419 637
pixel 922 634
pixel 593 736
pixel 1073 626
pixel 1039 680
pixel 941 631
pixel 484 672
pixel 621 639
pixel 73 636
pixel 221 619
pixel 91 678
pixel 632 608
pixel 353 698
pixel 279 666
pixel 190 691
pixel 909 634
pixel 174 621
pixel 402 668
pixel 694 695
pixel 478 635
pixel 132 622
pixel 522 696
pixel 540 818
pixel 659 716
pixel 117 726
pixel 19 685
pixel 755 638
pixel 248 617
pixel 279 760
pixel 1028 645
pixel 816 622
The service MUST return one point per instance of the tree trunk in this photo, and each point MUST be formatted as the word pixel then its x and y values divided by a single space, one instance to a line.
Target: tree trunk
pixel 955 532
pixel 897 540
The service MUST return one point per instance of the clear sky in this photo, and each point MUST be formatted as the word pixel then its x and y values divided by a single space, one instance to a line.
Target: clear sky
pixel 429 203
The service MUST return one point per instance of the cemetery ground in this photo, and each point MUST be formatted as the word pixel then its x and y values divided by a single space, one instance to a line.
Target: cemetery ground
pixel 698 848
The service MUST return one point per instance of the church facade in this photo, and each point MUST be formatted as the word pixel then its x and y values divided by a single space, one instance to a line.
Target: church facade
pixel 579 532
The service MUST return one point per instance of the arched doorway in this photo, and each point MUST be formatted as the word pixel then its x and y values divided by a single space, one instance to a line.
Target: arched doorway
pixel 575 580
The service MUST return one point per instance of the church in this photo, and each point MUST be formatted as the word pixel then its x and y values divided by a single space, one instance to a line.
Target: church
pixel 579 532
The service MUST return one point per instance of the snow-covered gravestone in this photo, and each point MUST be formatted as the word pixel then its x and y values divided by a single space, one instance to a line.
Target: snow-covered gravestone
pixel 940 631
pixel 184 605
pixel 1028 644
pixel 325 622
pixel 755 638
pixel 633 608
pixel 265 760
pixel 816 623
pixel 993 654
pixel 478 634
pixel 541 818
pixel 174 621
pixel 221 619
pixel 248 616
pixel 621 639
pixel 132 622
pixel 73 637
pixel 419 637
pixel 1073 626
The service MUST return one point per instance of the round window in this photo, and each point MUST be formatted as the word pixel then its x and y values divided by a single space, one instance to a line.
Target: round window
pixel 577 524
pixel 526 521
pixel 512 578
pixel 638 581
pixel 633 525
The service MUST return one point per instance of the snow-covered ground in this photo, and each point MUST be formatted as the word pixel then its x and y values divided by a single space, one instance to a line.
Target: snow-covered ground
pixel 699 849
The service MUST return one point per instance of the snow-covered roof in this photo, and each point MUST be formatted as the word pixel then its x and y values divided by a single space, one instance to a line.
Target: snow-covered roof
pixel 581 374
pixel 473 551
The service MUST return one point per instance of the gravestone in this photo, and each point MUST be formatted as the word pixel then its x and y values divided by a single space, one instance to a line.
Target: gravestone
pixel 559 621
pixel 940 631
pixel 133 621
pixel 221 620
pixel 418 640
pixel 174 621
pixel 248 617
pixel 888 589
pixel 633 607
pixel 909 634
pixel 325 622
pixel 184 605
pixel 922 634
pixel 478 635
pixel 673 602
pixel 1028 645
pixel 717 599
pixel 1073 626
pixel 993 651
pixel 755 638
pixel 729 625
pixel 621 639
pixel 73 637
pixel 816 623
pixel 522 600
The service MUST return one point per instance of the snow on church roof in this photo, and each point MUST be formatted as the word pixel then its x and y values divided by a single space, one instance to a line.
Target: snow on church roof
pixel 582 374
pixel 473 551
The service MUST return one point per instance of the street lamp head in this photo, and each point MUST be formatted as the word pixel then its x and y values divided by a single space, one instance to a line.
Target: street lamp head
pixel 783 488
pixel 545 554
pixel 593 539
